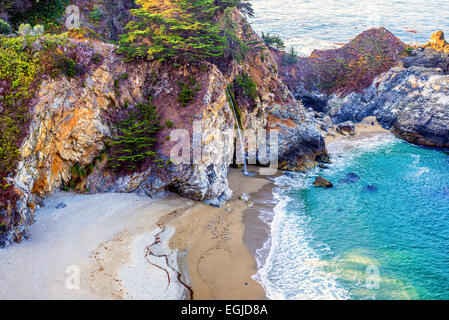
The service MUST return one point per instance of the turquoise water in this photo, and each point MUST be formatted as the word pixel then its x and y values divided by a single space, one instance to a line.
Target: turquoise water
pixel 381 233
pixel 323 24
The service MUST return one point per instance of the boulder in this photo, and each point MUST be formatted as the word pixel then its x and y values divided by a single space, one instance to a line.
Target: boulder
pixel 438 42
pixel 350 178
pixel 322 183
pixel 346 128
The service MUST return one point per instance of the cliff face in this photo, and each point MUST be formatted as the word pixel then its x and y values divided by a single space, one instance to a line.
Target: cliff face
pixel 72 120
pixel 407 90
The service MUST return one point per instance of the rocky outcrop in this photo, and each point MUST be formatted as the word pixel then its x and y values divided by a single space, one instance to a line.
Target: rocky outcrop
pixel 411 101
pixel 346 128
pixel 437 42
pixel 414 102
pixel 408 95
pixel 72 120
pixel 342 71
pixel 322 183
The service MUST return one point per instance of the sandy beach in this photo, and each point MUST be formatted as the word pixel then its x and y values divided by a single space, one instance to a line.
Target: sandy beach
pixel 219 262
pixel 122 246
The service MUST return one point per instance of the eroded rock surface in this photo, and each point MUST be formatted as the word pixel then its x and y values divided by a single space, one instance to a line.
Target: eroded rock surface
pixel 72 121
pixel 409 94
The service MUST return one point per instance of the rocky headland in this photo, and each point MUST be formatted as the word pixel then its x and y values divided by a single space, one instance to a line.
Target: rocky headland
pixel 71 116
pixel 404 87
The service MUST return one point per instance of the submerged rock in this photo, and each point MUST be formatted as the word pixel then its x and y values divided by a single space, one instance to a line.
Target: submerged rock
pixel 350 178
pixel 322 183
pixel 371 188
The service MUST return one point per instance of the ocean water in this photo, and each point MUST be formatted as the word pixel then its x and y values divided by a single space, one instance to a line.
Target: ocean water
pixel 325 24
pixel 382 232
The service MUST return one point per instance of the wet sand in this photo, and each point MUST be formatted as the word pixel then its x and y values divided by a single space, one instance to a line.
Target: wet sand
pixel 218 261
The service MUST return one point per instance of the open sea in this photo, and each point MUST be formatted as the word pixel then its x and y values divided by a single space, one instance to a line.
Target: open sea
pixel 382 232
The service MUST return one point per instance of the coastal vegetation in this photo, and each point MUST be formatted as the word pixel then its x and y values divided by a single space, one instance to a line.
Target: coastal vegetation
pixel 21 68
pixel 182 31
pixel 245 86
pixel 188 91
pixel 291 57
pixel 19 73
pixel 45 12
pixel 5 28
pixel 134 140
pixel 273 41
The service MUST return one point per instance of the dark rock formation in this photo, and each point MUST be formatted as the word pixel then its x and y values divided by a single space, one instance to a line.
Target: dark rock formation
pixel 322 183
pixel 410 98
pixel 346 128
pixel 371 188
pixel 350 178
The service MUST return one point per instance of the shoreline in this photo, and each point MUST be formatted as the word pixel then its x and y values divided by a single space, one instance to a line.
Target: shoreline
pixel 141 248
pixel 135 248
pixel 219 248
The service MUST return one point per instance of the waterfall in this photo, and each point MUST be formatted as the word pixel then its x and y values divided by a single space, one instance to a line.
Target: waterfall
pixel 242 148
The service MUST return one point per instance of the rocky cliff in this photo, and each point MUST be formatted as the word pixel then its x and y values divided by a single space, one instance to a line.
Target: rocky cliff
pixel 376 74
pixel 72 120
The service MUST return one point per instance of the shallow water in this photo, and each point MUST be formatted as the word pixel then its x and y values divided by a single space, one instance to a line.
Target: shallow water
pixel 323 24
pixel 381 233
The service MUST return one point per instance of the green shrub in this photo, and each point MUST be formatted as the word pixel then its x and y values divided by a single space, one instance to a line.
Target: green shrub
pixel 19 72
pixel 183 30
pixel 134 141
pixel 96 14
pixel 45 12
pixel 291 57
pixel 5 28
pixel 188 91
pixel 245 84
pixel 273 41
pixel 65 65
